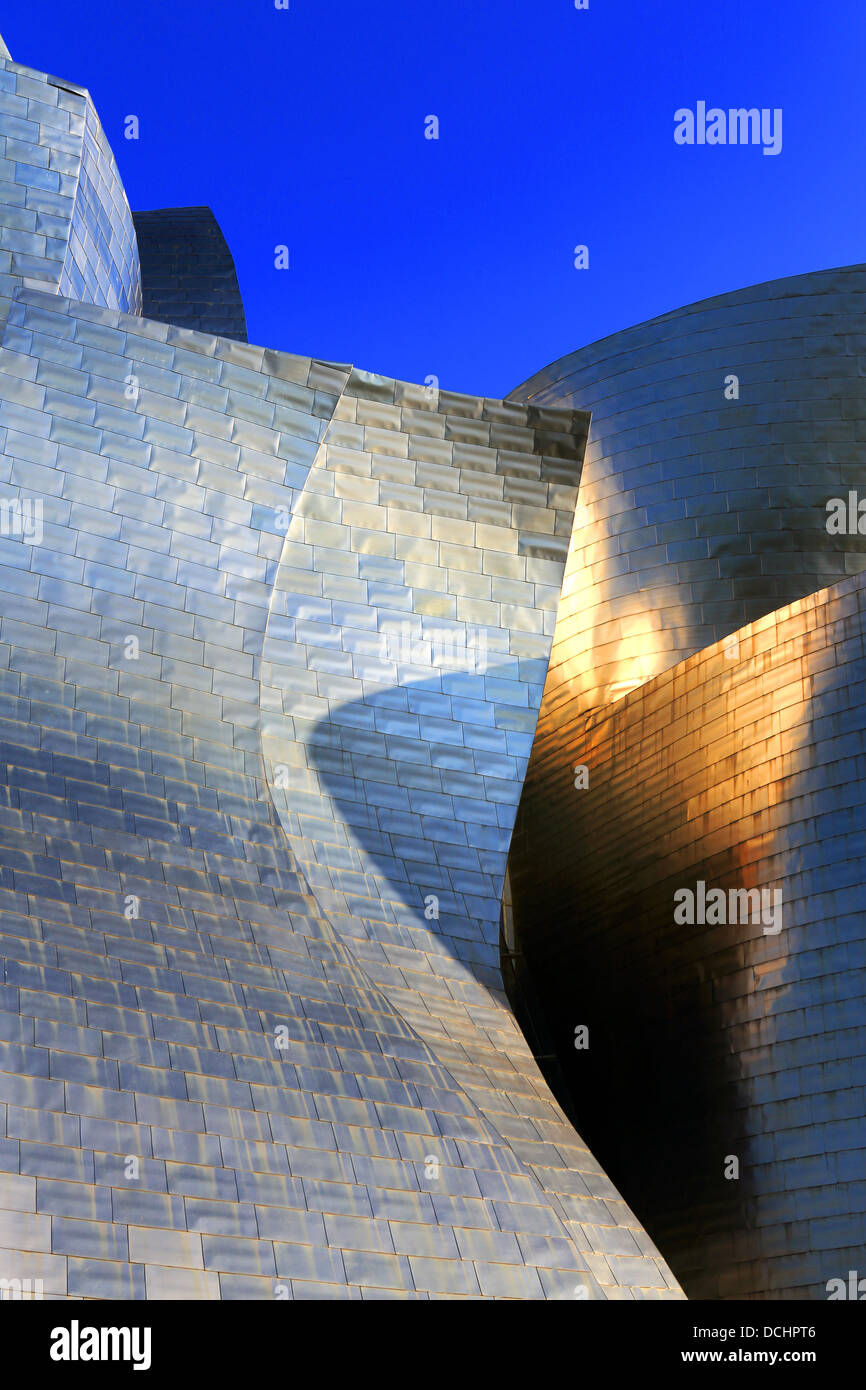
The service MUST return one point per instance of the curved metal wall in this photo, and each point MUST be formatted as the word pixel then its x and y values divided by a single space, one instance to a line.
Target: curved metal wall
pixel 273 640
pixel 700 513
pixel 435 520
pixel 741 768
pixel 236 1061
pixel 732 763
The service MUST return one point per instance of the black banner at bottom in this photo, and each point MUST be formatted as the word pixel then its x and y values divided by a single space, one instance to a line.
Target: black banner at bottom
pixel 60 1338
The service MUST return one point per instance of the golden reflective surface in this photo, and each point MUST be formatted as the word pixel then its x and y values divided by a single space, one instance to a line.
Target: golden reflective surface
pixel 739 769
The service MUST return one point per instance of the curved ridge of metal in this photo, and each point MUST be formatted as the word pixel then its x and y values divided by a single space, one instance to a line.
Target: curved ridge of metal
pixel 395 769
pixel 706 676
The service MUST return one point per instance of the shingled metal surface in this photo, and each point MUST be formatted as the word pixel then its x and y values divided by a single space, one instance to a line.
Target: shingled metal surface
pixel 238 1060
pixel 65 223
pixel 713 753
pixel 188 276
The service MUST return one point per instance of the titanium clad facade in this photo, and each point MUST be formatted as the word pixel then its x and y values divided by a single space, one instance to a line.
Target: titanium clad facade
pixel 742 768
pixel 219 1080
pixel 188 277
pixel 65 223
pixel 702 509
pixel 403 666
pixel 734 764
pixel 281 641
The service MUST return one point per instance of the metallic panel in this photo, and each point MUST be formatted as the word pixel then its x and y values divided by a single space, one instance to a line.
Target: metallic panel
pixel 237 1060
pixel 65 222
pixel 188 276
pixel 738 768
pixel 699 512
pixel 730 763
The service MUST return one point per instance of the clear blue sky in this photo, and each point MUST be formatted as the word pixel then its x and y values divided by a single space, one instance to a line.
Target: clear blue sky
pixel 455 257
